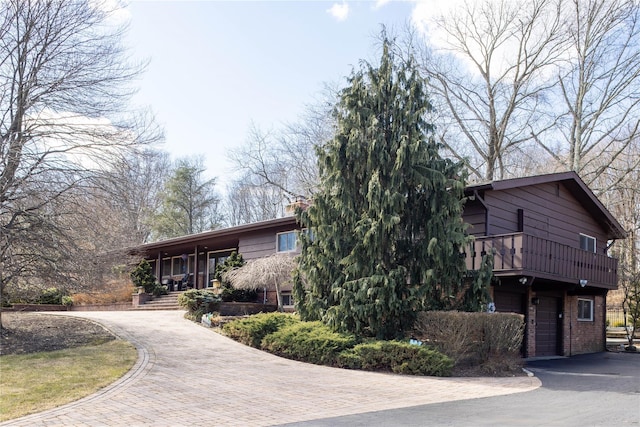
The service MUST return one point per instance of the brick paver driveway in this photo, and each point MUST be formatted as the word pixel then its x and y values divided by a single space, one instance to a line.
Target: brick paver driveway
pixel 189 375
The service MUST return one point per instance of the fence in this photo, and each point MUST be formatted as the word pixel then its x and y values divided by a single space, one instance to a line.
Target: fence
pixel 615 317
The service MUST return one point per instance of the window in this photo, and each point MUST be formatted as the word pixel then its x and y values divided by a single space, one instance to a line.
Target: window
pixel 587 243
pixel 286 241
pixel 287 298
pixel 585 310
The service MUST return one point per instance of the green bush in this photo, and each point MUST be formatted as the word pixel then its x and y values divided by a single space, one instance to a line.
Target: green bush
pixel 398 357
pixel 142 276
pixel 51 296
pixel 160 290
pixel 197 302
pixel 253 329
pixel 67 300
pixel 311 342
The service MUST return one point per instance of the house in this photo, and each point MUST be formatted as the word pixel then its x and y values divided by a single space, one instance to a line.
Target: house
pixel 190 261
pixel 548 234
pixel 550 237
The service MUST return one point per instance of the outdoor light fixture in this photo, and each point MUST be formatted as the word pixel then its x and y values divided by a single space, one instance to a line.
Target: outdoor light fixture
pixel 522 280
pixel 583 282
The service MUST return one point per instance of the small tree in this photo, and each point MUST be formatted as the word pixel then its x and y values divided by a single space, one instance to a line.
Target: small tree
pixel 142 276
pixel 631 305
pixel 271 272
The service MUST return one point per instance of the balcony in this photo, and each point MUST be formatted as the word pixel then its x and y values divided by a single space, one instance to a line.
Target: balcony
pixel 522 254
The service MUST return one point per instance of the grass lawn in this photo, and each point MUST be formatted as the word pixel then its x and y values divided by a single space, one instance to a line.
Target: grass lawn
pixel 35 382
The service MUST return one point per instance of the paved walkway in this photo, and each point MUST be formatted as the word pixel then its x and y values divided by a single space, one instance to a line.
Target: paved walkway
pixel 189 375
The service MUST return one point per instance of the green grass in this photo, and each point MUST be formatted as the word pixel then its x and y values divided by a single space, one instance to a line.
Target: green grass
pixel 32 383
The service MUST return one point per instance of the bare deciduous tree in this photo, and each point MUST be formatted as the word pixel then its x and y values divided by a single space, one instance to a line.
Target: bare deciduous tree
pixel 599 85
pixel 549 83
pixel 64 87
pixel 488 81
pixel 279 166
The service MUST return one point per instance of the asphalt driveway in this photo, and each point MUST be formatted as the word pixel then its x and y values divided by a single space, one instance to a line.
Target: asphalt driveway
pixel 189 375
pixel 600 389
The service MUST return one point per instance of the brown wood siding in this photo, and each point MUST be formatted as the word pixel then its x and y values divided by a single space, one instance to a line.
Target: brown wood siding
pixel 475 215
pixel 257 245
pixel 549 212
pixel 509 302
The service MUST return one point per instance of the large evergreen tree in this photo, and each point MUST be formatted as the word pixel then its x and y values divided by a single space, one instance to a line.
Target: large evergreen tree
pixel 189 203
pixel 386 221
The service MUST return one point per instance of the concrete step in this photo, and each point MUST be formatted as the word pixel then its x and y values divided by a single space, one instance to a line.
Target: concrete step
pixel 163 302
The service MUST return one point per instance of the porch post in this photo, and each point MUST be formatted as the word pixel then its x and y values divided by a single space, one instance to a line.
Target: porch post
pixel 195 268
pixel 159 268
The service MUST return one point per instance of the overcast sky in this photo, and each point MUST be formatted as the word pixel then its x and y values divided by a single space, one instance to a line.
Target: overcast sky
pixel 217 66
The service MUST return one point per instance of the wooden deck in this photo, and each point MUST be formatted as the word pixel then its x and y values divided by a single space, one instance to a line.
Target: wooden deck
pixel 522 254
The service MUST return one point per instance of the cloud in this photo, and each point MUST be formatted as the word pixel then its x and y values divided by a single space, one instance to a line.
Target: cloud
pixel 339 11
pixel 380 3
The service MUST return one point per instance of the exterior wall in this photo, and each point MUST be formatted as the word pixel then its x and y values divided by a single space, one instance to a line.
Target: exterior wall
pixel 257 246
pixel 260 245
pixel 550 212
pixel 475 215
pixel 584 336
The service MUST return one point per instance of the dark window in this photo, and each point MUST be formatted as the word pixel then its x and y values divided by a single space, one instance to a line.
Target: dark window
pixel 585 309
pixel 587 243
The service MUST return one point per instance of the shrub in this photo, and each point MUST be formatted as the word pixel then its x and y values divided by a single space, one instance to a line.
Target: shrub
pixel 253 329
pixel 471 338
pixel 398 357
pixel 113 291
pixel 51 296
pixel 142 276
pixel 230 294
pixel 67 301
pixel 160 290
pixel 197 302
pixel 311 342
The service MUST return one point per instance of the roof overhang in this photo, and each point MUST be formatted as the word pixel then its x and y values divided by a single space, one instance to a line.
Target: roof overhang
pixel 572 181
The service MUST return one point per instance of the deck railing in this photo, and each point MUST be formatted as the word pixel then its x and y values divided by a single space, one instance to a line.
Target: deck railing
pixel 520 253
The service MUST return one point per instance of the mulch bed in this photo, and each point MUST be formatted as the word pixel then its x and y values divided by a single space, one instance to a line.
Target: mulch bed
pixel 23 333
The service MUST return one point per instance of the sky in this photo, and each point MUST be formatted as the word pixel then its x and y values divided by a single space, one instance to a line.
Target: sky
pixel 216 67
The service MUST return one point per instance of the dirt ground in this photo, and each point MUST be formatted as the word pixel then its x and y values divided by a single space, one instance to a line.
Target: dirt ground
pixel 34 332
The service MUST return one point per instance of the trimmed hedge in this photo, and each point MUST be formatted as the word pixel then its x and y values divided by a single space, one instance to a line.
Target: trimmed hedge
pixel 471 338
pixel 251 330
pixel 398 357
pixel 311 342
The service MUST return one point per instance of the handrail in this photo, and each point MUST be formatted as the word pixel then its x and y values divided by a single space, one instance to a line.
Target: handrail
pixel 520 253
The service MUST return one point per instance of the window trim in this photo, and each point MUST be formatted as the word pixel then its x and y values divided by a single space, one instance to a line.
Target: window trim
pixel 288 294
pixel 591 314
pixel 295 242
pixel 595 242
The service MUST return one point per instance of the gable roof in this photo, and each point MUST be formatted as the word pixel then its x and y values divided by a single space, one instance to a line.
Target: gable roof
pixel 574 184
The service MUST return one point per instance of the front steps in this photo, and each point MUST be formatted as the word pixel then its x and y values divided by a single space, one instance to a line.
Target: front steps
pixel 163 302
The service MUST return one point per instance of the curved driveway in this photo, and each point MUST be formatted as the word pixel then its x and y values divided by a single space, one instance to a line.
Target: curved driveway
pixel 189 375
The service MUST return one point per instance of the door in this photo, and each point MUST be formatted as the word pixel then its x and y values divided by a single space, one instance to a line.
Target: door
pixel 547 326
